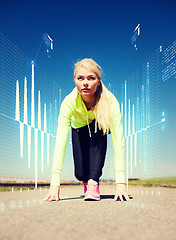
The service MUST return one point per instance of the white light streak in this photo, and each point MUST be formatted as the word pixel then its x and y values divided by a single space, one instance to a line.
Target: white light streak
pixel 137 28
pixel 42 149
pixel 47 149
pixel 49 37
pixel 129 128
pixel 29 146
pixel 25 101
pixel 127 160
pixel 32 97
pixel 21 138
pixel 39 112
pixel 135 148
pixel 36 156
pixel 133 120
pixel 51 45
pixel 125 111
pixel 60 97
pixel 17 110
pixel 122 109
pixel 45 125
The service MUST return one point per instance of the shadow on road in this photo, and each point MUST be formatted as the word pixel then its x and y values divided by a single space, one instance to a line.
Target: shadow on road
pixel 112 197
pixel 107 196
pixel 101 197
pixel 73 198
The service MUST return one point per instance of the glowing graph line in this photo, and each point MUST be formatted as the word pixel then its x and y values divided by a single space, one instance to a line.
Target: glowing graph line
pixel 29 130
pixel 49 134
pixel 144 129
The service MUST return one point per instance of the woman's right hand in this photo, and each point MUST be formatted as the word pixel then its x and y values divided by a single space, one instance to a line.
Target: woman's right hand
pixel 53 193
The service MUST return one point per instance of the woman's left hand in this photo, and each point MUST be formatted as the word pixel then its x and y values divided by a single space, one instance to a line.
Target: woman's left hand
pixel 121 191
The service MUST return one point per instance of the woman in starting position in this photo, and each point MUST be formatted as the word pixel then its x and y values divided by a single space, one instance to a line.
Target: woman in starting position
pixel 93 112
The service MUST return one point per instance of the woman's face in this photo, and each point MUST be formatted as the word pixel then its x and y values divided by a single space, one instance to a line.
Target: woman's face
pixel 86 81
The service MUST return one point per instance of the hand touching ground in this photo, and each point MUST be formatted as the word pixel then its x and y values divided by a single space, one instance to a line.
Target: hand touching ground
pixel 120 192
pixel 53 194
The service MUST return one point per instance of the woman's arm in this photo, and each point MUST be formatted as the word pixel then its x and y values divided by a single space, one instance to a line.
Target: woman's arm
pixel 117 141
pixel 61 141
pixel 118 149
pixel 63 128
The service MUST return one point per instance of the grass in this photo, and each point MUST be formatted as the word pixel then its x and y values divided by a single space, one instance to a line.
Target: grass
pixel 9 188
pixel 156 182
pixel 17 188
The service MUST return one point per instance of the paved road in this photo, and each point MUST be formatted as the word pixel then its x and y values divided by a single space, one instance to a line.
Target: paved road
pixel 150 214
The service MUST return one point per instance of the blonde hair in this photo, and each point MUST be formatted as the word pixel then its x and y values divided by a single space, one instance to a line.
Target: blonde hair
pixel 101 109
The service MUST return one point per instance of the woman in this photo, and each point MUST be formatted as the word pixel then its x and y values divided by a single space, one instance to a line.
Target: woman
pixel 93 112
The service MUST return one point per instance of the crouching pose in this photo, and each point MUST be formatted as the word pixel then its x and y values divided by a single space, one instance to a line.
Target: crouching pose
pixel 93 112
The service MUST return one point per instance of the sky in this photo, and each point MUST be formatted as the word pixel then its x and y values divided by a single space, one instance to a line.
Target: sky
pixel 97 29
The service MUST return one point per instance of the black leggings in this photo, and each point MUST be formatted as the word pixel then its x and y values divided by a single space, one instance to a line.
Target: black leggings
pixel 88 152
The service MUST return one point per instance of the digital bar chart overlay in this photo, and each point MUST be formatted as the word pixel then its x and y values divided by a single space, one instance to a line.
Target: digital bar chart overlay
pixel 30 102
pixel 44 132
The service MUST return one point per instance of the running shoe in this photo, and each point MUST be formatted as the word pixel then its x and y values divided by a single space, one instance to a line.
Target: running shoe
pixel 85 187
pixel 93 192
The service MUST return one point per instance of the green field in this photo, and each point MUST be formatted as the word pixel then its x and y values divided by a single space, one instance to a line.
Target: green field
pixel 156 182
pixel 25 188
pixel 9 188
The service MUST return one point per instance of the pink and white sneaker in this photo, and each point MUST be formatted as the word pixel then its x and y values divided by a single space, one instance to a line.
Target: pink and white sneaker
pixel 85 187
pixel 92 192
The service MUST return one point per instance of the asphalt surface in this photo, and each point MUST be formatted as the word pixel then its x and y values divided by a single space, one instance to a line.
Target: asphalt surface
pixel 150 214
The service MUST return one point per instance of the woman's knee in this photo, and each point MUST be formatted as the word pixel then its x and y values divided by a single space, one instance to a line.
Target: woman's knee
pixel 79 176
